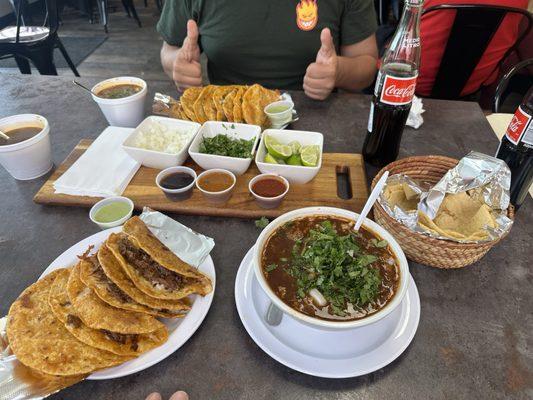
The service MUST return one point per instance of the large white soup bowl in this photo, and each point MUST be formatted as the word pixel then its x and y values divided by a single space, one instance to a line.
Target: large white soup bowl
pixel 317 322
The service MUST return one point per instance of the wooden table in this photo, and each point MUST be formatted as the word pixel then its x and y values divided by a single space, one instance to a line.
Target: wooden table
pixel 474 340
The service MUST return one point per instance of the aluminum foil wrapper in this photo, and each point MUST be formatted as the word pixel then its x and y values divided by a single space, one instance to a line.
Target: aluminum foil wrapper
pixel 479 174
pixel 18 382
pixel 165 105
pixel 191 247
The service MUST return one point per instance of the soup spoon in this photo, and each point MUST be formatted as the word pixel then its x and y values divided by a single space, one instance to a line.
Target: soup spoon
pixel 2 134
pixel 82 86
pixel 371 200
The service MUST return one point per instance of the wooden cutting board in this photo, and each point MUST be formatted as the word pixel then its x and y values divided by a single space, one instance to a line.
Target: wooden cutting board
pixel 345 170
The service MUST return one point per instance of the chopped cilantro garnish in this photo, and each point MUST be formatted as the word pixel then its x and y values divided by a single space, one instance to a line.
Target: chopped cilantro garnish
pixel 262 222
pixel 337 266
pixel 224 145
pixel 271 267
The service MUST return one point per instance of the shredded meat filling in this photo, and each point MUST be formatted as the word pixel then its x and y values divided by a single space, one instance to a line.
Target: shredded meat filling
pixel 123 338
pixel 73 321
pixel 148 268
pixel 98 271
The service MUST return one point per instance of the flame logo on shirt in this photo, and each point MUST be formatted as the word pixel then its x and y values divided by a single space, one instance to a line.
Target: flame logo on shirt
pixel 306 14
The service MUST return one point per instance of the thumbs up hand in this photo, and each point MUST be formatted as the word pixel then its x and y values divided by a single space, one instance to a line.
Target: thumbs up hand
pixel 320 76
pixel 186 71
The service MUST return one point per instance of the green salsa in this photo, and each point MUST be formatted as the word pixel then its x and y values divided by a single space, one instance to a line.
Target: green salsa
pixel 277 109
pixel 112 212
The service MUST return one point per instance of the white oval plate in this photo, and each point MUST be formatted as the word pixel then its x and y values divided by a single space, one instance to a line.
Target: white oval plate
pixel 319 352
pixel 180 329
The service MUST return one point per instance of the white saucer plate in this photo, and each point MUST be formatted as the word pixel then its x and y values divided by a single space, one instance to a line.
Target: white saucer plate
pixel 325 353
pixel 180 329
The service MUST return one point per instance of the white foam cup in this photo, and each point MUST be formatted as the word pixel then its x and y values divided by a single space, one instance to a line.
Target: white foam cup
pixel 30 158
pixel 127 111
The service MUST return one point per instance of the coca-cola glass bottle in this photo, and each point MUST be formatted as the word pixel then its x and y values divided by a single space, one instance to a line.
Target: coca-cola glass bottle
pixel 394 90
pixel 516 149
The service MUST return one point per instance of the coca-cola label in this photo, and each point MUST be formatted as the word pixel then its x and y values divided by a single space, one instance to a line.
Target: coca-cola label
pixel 518 125
pixel 398 91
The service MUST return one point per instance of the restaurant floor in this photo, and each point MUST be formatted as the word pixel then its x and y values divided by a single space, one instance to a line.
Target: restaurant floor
pixel 128 50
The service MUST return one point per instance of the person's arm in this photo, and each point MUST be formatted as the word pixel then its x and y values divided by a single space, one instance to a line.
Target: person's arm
pixel 182 64
pixel 357 65
pixel 353 70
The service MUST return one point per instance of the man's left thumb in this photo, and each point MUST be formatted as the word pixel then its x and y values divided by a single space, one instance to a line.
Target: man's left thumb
pixel 327 48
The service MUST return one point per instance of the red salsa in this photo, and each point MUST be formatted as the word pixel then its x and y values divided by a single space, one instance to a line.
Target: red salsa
pixel 269 187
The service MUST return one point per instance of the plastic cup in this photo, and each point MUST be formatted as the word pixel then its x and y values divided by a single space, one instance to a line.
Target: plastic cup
pixel 126 112
pixel 31 158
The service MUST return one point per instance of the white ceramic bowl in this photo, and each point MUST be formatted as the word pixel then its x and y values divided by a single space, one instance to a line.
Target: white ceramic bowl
pixel 293 173
pixel 128 111
pixel 331 325
pixel 31 158
pixel 212 128
pixel 159 159
pixel 118 222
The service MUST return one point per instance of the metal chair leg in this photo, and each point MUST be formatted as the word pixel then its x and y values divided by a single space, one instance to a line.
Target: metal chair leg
pixel 67 57
pixel 23 64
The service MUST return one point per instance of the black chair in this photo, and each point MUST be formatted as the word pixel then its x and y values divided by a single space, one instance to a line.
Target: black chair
pixel 35 44
pixel 472 30
pixel 501 90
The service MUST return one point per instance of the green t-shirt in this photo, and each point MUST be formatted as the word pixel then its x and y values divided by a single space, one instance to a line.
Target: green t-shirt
pixel 270 42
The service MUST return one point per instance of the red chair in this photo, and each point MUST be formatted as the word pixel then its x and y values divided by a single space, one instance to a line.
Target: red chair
pixel 471 33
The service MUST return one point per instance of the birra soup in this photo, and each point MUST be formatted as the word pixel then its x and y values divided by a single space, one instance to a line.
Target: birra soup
pixel 320 267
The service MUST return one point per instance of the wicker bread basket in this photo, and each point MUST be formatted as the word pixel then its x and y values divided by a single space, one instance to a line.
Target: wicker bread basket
pixel 421 248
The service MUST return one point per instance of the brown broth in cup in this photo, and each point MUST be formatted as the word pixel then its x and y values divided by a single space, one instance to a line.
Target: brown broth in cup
pixel 19 134
pixel 288 262
pixel 119 91
pixel 215 181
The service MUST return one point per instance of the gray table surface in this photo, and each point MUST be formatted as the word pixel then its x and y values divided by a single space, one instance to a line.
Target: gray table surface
pixel 475 334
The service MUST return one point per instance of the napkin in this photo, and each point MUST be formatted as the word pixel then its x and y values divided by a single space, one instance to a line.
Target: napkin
pixel 104 170
pixel 415 119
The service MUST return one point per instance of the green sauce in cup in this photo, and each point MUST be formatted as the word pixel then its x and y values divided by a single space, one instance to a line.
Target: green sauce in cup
pixel 112 212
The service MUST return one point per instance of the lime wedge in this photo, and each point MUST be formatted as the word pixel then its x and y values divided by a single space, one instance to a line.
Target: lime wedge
pixel 294 160
pixel 270 160
pixel 309 155
pixel 276 149
pixel 295 146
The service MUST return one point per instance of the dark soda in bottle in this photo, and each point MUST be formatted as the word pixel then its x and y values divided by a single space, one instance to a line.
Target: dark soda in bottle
pixel 516 149
pixel 394 90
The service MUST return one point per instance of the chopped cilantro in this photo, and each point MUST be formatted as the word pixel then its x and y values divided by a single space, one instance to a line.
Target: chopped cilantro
pixel 271 267
pixel 337 266
pixel 224 145
pixel 262 222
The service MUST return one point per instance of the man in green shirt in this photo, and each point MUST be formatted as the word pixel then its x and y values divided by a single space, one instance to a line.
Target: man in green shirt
pixel 317 45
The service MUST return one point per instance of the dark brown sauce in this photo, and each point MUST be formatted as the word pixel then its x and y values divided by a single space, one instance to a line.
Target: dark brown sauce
pixel 21 134
pixel 278 250
pixel 176 180
pixel 119 91
pixel 269 187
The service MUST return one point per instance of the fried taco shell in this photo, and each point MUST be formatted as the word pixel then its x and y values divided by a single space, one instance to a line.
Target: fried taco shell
pixel 198 106
pixel 114 271
pixel 40 341
pixel 227 105
pixel 254 100
pixel 126 345
pixel 97 314
pixel 187 100
pixel 149 274
pixel 93 276
pixel 237 105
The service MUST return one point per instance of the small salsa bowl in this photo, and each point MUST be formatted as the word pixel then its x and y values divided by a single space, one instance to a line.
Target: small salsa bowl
pixel 268 202
pixel 176 194
pixel 321 323
pixel 222 196
pixel 106 201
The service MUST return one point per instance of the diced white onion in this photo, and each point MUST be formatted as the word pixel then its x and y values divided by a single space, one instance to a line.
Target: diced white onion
pixel 317 297
pixel 159 137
